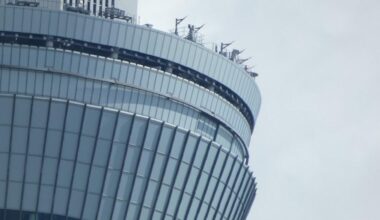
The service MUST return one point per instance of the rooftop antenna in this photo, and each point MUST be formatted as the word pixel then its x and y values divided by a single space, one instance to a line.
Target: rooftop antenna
pixel 235 53
pixel 248 69
pixel 224 46
pixel 192 31
pixel 199 28
pixel 177 22
pixel 241 61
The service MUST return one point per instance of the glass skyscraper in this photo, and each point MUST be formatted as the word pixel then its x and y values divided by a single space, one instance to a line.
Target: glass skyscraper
pixel 102 118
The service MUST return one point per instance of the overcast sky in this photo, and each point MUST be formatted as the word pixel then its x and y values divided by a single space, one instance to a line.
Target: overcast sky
pixel 316 146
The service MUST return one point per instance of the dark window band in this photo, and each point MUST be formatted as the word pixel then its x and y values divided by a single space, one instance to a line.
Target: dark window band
pixel 135 57
pixel 7 214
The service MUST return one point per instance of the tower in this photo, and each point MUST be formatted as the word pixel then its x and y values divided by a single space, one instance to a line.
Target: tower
pixel 102 118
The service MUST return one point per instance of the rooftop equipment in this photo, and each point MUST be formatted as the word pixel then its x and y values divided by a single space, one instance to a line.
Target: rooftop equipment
pixel 224 46
pixel 241 61
pixel 248 69
pixel 235 54
pixel 25 3
pixel 192 34
pixel 112 12
pixel 76 9
pixel 178 21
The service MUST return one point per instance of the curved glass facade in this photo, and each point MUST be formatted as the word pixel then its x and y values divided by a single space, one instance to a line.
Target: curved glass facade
pixel 102 119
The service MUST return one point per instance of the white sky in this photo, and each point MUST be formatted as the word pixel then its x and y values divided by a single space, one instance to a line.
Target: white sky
pixel 316 146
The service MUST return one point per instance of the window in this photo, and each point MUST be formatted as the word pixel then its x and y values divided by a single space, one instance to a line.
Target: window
pixel 224 137
pixel 206 127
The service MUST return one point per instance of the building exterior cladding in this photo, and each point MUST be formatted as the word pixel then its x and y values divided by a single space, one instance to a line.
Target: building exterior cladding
pixel 106 119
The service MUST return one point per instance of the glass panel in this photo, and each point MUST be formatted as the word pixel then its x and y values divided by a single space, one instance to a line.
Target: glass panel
pixel 30 196
pixel 96 180
pixel 165 46
pixel 53 24
pixel 49 170
pixel 81 171
pixel 170 171
pixel 121 36
pixel 224 137
pixel 16 167
pixel 19 140
pixel 36 141
pixel 159 164
pixel 14 195
pixel 131 160
pixel 152 42
pixel 132 212
pixel 71 20
pixel 162 197
pixel 79 27
pixel 117 156
pixel 129 36
pixel 111 183
pixel 86 149
pixel 144 40
pixel 69 147
pixel 137 39
pixel 201 153
pixel 107 69
pixel 138 131
pixel 125 186
pixel 138 190
pixel 122 128
pixel 3 166
pixel 219 165
pixel 65 173
pixel 57 115
pixel 105 32
pixel 145 165
pixel 45 200
pixel 211 157
pixel 102 152
pixel 91 120
pixel 100 68
pixel 212 184
pixel 62 23
pixel 91 206
pixel 107 125
pixel 190 148
pixel 60 203
pixel 53 141
pixel 181 175
pixel 159 44
pixel 118 213
pixel 76 202
pixel 166 136
pixel 172 49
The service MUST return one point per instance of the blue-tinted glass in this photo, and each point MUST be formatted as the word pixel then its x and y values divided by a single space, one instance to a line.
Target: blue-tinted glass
pixel 75 204
pixel 105 33
pixel 144 40
pixel 12 215
pixel 53 27
pixel 79 27
pixel 71 20
pixel 129 36
pixel 165 46
pixel 137 39
pixel 28 216
pixel 43 216
pixel 88 29
pixel 75 60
